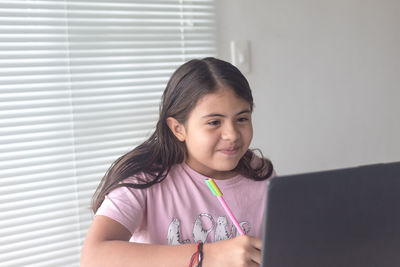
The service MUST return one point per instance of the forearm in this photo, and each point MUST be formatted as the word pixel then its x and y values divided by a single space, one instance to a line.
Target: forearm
pixel 123 253
pixel 107 244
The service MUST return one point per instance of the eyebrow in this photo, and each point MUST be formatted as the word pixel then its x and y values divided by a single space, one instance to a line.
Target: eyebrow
pixel 221 115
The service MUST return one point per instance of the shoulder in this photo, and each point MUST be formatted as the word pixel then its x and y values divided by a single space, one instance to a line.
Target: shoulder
pixel 175 175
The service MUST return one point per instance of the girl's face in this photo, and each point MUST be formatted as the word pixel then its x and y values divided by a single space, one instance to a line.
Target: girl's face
pixel 217 133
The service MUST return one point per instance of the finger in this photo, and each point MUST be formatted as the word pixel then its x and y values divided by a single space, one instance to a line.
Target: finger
pixel 255 255
pixel 256 243
pixel 253 264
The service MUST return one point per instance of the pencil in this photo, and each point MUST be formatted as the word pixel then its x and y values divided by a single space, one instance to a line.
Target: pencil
pixel 215 190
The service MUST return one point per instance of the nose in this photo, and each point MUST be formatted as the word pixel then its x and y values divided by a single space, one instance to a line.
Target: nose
pixel 230 132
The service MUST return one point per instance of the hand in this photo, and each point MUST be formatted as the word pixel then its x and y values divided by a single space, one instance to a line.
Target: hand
pixel 241 251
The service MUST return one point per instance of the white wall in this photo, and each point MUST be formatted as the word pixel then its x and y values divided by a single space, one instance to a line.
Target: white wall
pixel 325 77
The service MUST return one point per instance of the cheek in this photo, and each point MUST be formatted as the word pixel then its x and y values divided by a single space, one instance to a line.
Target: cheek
pixel 202 141
pixel 247 133
pixel 250 134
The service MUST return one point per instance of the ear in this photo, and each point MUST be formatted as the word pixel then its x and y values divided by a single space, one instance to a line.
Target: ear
pixel 177 128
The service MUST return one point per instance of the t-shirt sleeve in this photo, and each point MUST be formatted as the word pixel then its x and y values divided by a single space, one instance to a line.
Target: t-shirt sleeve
pixel 126 206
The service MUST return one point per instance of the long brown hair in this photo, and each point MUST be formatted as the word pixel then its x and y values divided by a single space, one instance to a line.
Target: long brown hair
pixel 162 149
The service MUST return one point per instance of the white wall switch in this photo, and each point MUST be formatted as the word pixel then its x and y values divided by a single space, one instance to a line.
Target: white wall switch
pixel 240 55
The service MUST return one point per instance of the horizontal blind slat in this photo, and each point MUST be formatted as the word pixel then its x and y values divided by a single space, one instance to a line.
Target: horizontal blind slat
pixel 43 255
pixel 34 225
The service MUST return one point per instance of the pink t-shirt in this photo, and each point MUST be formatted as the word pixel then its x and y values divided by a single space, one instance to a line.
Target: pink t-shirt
pixel 181 209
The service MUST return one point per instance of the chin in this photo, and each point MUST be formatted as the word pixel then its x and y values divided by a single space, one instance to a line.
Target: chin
pixel 229 166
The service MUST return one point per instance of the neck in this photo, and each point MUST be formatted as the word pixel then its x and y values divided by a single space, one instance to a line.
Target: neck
pixel 223 175
pixel 214 174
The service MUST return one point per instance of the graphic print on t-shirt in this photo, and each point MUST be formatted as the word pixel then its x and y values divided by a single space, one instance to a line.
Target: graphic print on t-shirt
pixel 174 236
pixel 203 226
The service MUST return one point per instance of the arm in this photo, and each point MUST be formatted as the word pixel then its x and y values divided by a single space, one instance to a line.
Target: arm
pixel 107 244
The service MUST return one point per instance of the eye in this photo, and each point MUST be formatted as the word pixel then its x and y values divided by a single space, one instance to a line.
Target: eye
pixel 243 119
pixel 214 123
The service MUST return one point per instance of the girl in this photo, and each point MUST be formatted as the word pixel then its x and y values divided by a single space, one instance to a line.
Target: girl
pixel 155 196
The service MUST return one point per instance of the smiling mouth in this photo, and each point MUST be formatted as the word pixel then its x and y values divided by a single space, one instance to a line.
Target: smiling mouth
pixel 229 151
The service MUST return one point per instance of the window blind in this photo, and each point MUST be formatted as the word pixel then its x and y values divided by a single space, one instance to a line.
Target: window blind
pixel 80 84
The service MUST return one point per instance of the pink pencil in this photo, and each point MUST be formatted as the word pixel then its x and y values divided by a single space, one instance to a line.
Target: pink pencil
pixel 215 190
